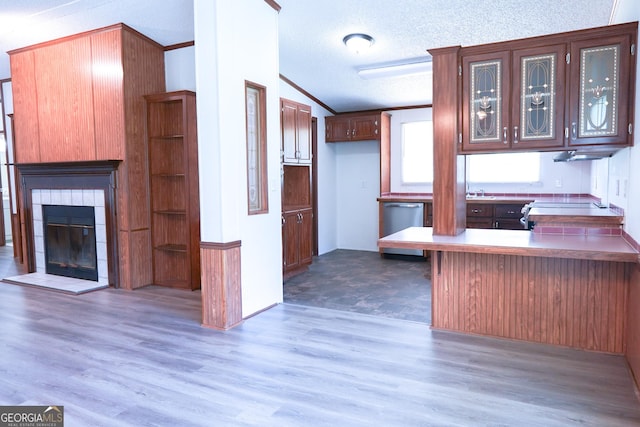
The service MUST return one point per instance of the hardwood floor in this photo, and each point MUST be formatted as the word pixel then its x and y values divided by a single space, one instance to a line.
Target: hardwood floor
pixel 141 358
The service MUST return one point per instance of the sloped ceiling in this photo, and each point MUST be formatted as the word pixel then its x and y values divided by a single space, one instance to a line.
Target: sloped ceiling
pixel 27 22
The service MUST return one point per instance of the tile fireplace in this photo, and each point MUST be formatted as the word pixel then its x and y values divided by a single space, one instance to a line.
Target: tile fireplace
pixel 72 204
pixel 66 235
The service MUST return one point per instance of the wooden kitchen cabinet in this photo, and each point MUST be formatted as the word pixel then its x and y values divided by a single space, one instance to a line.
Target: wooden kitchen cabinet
pixel 173 176
pixel 507 216
pixel 428 214
pixel 495 215
pixel 549 93
pixel 601 91
pixel 356 127
pixel 538 97
pixel 297 219
pixel 296 132
pixel 513 100
pixel 479 215
pixel 297 244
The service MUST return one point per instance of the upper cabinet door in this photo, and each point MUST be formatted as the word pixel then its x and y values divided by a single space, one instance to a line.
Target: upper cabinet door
pixel 338 129
pixel 295 129
pixel 288 129
pixel 600 88
pixel 485 107
pixel 365 128
pixel 304 134
pixel 538 94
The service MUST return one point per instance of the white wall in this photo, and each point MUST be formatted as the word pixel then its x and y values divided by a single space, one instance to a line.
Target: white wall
pixel 357 187
pixel 625 166
pixel 326 156
pixel 180 69
pixel 234 42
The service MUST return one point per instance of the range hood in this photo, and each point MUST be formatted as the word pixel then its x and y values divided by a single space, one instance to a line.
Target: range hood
pixel 585 154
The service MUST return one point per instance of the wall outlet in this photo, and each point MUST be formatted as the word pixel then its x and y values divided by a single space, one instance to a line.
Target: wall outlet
pixel 558 183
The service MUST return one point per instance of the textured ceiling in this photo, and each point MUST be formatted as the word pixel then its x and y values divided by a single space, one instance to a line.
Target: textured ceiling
pixel 313 57
pixel 311 51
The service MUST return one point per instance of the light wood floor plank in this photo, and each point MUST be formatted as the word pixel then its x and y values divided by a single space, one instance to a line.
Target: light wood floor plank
pixel 141 358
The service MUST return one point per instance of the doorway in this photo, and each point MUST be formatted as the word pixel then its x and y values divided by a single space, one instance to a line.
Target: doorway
pixel 8 207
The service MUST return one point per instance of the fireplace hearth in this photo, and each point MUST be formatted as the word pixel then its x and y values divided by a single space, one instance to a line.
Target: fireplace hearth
pixel 70 241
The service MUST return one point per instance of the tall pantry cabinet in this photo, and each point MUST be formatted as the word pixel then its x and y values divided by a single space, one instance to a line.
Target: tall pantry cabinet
pixel 173 182
pixel 297 205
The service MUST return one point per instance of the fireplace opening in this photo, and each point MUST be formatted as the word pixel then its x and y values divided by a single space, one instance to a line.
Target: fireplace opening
pixel 70 241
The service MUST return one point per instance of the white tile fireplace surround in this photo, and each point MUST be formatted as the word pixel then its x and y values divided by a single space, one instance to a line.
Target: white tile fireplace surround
pixel 83 197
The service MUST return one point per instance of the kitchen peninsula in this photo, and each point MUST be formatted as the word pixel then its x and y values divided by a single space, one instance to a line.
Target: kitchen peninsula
pixel 568 290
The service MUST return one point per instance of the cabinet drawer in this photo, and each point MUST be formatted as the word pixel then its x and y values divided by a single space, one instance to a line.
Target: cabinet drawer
pixel 508 224
pixel 479 210
pixel 508 211
pixel 479 223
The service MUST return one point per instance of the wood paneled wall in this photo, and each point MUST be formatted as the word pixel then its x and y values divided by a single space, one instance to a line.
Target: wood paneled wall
pixel 80 98
pixel 143 65
pixel 633 324
pixel 221 285
pixel 568 302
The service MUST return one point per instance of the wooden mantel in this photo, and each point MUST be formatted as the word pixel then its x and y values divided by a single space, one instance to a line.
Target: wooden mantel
pixel 99 175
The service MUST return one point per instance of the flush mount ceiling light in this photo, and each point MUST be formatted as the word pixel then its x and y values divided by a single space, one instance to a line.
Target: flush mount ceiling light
pixel 398 69
pixel 358 42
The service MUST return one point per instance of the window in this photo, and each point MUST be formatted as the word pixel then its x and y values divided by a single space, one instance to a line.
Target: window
pixel 503 168
pixel 256 148
pixel 417 152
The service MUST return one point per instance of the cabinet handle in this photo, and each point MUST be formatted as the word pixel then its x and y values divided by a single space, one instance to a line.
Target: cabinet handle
pixel 511 212
pixel 348 132
pixel 504 135
pixel 476 210
pixel 574 130
pixel 515 134
pixel 283 220
pixel 375 131
pixel 353 132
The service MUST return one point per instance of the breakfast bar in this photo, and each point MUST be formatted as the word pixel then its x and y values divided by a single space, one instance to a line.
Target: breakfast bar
pixel 568 290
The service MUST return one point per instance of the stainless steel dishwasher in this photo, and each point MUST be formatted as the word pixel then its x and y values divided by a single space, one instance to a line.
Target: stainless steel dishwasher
pixel 398 216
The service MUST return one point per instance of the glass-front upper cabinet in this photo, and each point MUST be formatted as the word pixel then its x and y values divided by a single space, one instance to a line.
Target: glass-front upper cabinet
pixel 538 96
pixel 600 92
pixel 514 99
pixel 485 89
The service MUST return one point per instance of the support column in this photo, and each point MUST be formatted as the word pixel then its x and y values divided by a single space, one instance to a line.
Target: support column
pixel 221 280
pixel 449 193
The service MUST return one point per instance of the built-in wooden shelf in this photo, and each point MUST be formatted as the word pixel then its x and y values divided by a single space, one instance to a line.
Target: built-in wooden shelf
pixel 173 175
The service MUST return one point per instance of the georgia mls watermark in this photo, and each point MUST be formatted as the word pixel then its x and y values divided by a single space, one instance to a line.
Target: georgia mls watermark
pixel 31 416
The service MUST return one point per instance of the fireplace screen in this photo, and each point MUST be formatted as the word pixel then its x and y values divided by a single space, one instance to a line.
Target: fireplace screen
pixel 70 241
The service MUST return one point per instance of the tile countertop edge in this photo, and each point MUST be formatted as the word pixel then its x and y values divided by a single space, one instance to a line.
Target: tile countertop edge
pixel 516 242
